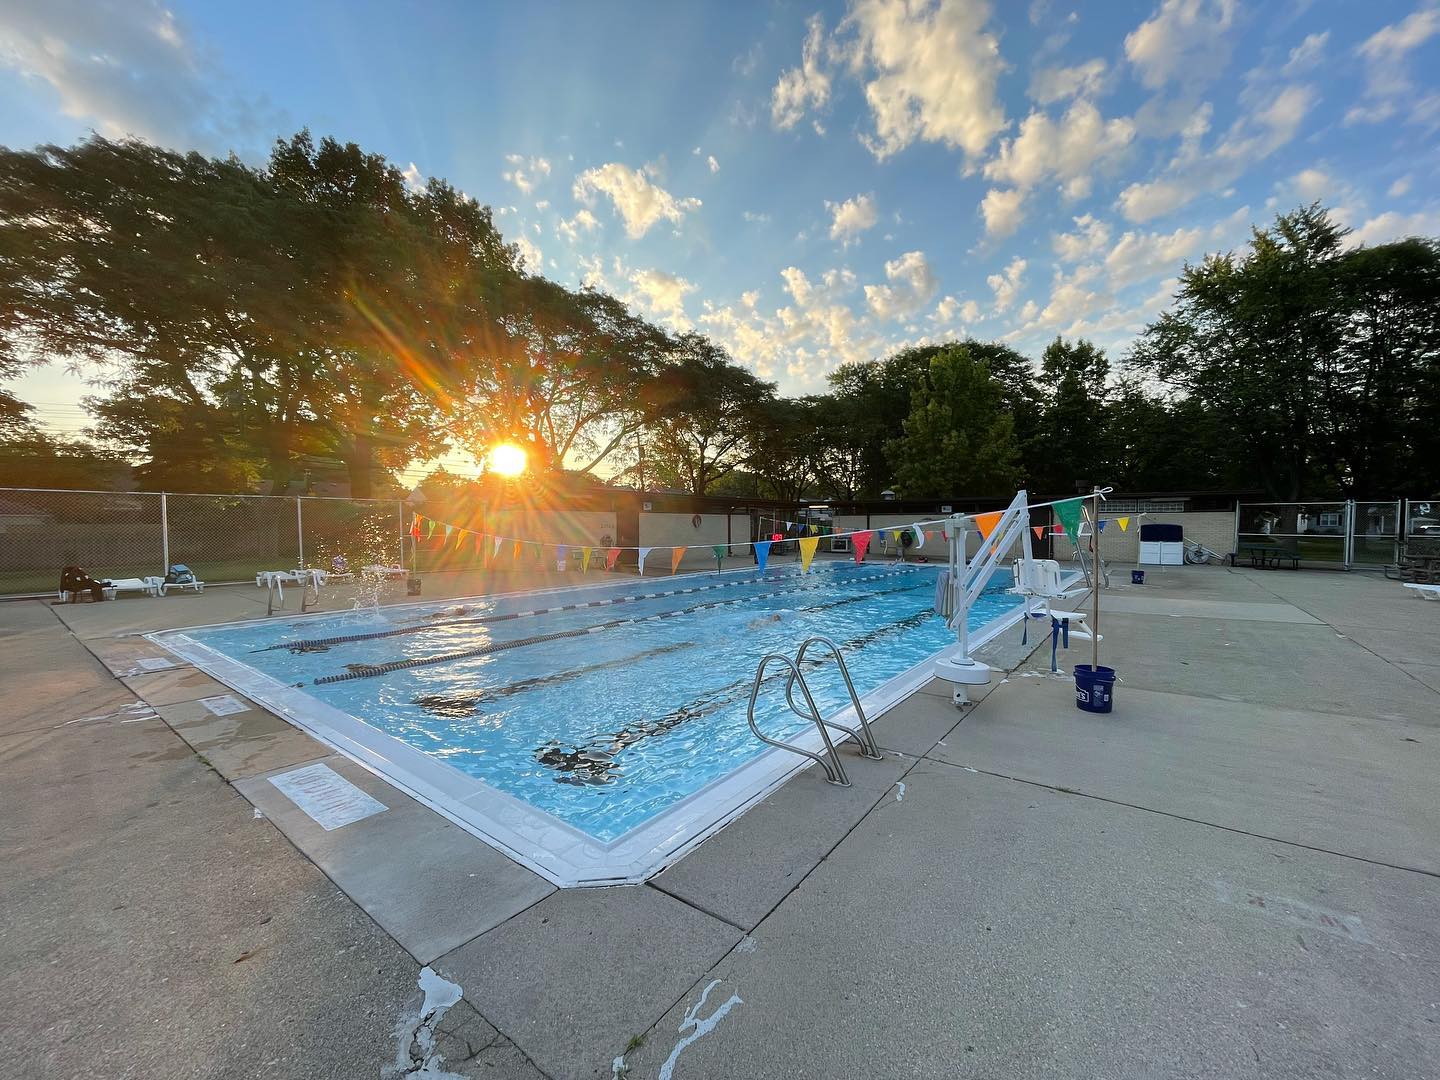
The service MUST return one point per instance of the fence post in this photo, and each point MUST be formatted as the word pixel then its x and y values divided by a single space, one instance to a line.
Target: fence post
pixel 400 516
pixel 1349 533
pixel 300 531
pixel 164 533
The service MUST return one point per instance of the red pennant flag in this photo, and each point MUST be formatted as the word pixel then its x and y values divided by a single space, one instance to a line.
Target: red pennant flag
pixel 415 527
pixel 861 543
pixel 610 556
pixel 987 523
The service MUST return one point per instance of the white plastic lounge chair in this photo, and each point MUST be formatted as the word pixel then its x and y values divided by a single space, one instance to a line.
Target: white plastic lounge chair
pixel 165 586
pixel 385 571
pixel 278 579
pixel 149 586
pixel 1426 592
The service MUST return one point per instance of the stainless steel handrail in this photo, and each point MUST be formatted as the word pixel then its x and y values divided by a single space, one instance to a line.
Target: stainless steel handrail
pixel 863 737
pixel 834 771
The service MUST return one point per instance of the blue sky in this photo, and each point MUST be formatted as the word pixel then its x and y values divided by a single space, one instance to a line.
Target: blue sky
pixel 807 183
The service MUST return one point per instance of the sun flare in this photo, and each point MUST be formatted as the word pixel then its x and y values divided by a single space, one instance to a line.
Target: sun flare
pixel 507 459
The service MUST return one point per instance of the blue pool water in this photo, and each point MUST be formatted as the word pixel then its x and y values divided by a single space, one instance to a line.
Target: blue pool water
pixel 607 728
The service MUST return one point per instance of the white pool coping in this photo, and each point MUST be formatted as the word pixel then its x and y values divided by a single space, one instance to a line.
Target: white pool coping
pixel 552 848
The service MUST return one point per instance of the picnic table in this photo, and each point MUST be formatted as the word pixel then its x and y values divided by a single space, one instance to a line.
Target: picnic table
pixel 1266 556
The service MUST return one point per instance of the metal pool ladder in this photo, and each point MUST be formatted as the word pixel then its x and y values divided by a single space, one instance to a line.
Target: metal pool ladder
pixel 830 762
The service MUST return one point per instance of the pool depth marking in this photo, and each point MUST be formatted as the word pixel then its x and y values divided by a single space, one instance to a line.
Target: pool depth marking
pixel 367 671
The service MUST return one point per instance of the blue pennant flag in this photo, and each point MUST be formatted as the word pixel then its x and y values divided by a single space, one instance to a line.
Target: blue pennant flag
pixel 762 553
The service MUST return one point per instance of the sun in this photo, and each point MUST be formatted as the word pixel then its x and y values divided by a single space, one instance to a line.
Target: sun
pixel 507 459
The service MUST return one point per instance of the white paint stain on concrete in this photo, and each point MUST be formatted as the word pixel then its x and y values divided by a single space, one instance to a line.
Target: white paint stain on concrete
pixel 126 714
pixel 900 791
pixel 415 1056
pixel 747 944
pixel 698 1028
pixel 1295 912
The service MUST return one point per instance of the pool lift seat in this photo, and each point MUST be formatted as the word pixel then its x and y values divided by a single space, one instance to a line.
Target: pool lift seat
pixel 830 761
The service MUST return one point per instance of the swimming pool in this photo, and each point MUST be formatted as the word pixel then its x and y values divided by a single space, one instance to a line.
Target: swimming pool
pixel 594 733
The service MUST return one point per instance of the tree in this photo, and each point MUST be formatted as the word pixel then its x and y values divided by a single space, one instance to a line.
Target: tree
pixel 782 444
pixel 699 414
pixel 959 437
pixel 566 374
pixel 1073 430
pixel 1256 339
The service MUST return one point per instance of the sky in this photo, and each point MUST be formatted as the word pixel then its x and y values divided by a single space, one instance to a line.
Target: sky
pixel 806 183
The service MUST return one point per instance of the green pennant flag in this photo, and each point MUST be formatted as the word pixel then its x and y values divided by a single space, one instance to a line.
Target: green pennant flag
pixel 719 550
pixel 1069 514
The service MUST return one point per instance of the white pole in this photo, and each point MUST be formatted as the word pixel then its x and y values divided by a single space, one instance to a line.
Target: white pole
pixel 300 532
pixel 1095 586
pixel 164 533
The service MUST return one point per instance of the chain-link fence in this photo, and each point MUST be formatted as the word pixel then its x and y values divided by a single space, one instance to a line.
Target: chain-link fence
pixel 222 538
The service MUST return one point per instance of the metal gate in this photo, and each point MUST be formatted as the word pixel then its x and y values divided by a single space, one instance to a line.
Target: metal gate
pixel 1362 535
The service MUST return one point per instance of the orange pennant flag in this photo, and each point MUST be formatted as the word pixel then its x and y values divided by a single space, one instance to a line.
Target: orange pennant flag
pixel 515 551
pixel 1039 531
pixel 610 557
pixel 676 554
pixel 987 522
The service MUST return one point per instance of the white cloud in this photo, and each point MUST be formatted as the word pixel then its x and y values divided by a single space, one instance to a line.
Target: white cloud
pixel 583 221
pixel 806 87
pixel 131 69
pixel 912 284
pixel 850 218
pixel 805 338
pixel 1387 79
pixel 1307 55
pixel 1139 256
pixel 1091 236
pixel 1395 226
pixel 525 173
pixel 639 202
pixel 756 217
pixel 1003 211
pixel 1195 171
pixel 750 297
pixel 1185 42
pixel 1312 184
pixel 712 163
pixel 1006 285
pixel 530 254
pixel 1051 84
pixel 929 69
pixel 1066 150
pixel 414 178
pixel 1401 186
pixel 664 295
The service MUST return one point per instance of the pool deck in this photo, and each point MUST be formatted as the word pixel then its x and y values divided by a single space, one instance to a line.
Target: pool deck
pixel 1237 873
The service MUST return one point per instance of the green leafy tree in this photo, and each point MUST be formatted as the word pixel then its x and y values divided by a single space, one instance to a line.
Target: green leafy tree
pixel 700 414
pixel 959 436
pixel 1074 424
pixel 783 445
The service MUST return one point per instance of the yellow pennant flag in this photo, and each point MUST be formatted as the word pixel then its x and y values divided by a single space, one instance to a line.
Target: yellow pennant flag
pixel 1124 523
pixel 808 545
pixel 585 559
pixel 460 535
pixel 676 554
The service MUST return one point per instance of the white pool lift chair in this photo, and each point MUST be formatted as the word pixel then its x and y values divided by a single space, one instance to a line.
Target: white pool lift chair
pixel 1038 581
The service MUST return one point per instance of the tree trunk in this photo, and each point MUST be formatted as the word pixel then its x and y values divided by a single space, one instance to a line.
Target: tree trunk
pixel 360 462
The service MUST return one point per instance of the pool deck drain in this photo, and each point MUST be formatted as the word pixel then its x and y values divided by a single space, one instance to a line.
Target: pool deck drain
pixel 1233 874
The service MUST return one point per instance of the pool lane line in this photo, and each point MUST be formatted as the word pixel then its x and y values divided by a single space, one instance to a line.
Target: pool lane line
pixel 309 644
pixel 460 706
pixel 570 758
pixel 366 671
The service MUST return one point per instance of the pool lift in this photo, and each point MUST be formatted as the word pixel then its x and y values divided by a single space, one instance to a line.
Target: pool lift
pixel 1037 582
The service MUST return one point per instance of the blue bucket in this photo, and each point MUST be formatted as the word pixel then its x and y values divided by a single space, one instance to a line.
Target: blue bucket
pixel 1094 688
pixel 1137 577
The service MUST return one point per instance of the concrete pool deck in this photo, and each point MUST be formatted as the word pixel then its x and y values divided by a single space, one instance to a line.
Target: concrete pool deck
pixel 1234 874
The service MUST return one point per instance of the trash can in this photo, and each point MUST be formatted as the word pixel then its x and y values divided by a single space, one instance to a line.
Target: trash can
pixel 1094 688
pixel 412 585
pixel 1137 577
